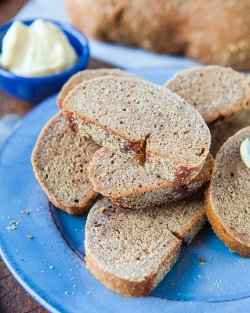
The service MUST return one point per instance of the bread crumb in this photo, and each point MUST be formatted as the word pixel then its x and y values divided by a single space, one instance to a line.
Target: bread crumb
pixel 102 210
pixel 29 236
pixel 202 260
pixel 13 225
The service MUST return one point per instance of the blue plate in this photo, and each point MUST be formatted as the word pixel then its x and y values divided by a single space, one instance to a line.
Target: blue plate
pixel 50 266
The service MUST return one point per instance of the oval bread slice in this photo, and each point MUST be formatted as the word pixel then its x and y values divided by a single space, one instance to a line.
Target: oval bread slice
pixel 224 128
pixel 86 75
pixel 60 161
pixel 138 119
pixel 131 251
pixel 228 197
pixel 214 91
pixel 129 184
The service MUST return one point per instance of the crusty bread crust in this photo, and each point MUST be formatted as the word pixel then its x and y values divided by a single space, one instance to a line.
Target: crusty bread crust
pixel 222 231
pixel 76 209
pixel 127 287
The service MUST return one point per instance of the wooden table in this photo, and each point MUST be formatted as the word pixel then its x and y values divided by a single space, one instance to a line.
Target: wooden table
pixel 13 298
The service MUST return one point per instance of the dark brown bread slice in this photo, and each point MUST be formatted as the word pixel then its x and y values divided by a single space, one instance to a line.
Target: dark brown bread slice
pixel 129 184
pixel 224 128
pixel 131 251
pixel 214 91
pixel 86 75
pixel 138 119
pixel 228 198
pixel 60 161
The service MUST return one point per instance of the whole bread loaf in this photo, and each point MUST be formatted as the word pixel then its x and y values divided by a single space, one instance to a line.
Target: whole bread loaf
pixel 60 161
pixel 81 76
pixel 214 91
pixel 214 31
pixel 131 251
pixel 138 119
pixel 129 184
pixel 228 198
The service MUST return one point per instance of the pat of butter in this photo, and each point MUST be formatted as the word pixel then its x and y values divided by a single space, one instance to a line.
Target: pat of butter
pixel 39 49
pixel 245 151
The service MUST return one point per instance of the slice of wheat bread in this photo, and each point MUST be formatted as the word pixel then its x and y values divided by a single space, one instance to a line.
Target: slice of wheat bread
pixel 131 251
pixel 248 79
pixel 138 119
pixel 228 198
pixel 86 75
pixel 129 184
pixel 214 91
pixel 60 160
pixel 224 128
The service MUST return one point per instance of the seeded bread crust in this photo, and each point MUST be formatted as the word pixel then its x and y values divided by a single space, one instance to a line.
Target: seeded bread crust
pixel 138 119
pixel 227 200
pixel 214 91
pixel 60 161
pixel 135 269
pixel 128 184
pixel 86 75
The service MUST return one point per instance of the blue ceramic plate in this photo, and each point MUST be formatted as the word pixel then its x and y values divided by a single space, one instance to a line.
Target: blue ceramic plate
pixel 50 266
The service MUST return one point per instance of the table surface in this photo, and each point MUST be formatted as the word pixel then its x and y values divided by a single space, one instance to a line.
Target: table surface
pixel 13 298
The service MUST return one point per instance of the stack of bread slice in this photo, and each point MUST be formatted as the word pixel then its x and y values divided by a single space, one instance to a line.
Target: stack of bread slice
pixel 146 150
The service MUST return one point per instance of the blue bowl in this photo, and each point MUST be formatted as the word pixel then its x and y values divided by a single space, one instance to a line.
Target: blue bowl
pixel 35 89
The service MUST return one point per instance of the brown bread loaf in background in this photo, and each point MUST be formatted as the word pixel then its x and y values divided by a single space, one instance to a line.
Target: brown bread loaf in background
pixel 214 31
